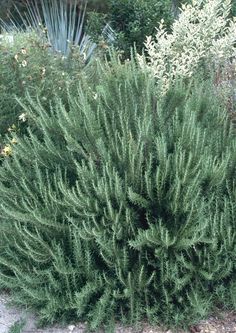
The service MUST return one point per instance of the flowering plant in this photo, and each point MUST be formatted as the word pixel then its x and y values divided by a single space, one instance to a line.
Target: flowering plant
pixel 28 66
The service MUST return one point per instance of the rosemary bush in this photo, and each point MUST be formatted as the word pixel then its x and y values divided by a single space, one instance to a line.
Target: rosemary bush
pixel 122 205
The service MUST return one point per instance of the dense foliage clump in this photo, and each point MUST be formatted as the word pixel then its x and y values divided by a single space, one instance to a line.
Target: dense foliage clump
pixel 117 174
pixel 122 204
pixel 179 54
pixel 132 20
pixel 28 65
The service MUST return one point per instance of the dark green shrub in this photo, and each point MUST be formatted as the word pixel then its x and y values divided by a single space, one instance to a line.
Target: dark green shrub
pixel 234 8
pixel 122 207
pixel 133 20
pixel 98 6
pixel 6 7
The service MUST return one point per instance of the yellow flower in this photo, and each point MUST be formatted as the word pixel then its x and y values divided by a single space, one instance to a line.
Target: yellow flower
pixel 103 45
pixel 23 50
pixel 12 128
pixel 14 141
pixel 24 63
pixel 43 71
pixel 16 57
pixel 7 150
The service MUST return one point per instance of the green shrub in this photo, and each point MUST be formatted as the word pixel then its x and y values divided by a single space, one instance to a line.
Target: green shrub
pixel 98 6
pixel 233 8
pixel 122 207
pixel 6 6
pixel 26 64
pixel 133 20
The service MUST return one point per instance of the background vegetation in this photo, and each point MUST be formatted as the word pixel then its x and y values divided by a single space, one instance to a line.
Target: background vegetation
pixel 27 66
pixel 132 20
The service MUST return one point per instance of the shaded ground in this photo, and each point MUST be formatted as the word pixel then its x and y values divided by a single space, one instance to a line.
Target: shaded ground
pixel 11 319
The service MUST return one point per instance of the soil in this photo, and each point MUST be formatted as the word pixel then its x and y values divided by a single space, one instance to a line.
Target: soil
pixel 10 319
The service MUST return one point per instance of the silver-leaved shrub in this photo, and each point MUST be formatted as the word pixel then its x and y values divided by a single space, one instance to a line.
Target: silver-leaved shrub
pixel 203 33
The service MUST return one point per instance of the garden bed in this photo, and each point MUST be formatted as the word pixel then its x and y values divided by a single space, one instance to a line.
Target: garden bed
pixel 11 317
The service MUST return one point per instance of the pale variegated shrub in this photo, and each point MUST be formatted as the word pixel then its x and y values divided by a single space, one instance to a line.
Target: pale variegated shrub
pixel 203 33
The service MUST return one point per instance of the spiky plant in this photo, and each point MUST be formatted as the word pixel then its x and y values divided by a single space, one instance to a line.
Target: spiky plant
pixel 61 22
pixel 124 206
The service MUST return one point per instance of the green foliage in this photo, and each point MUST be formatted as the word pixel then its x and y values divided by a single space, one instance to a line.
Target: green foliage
pixel 18 326
pixel 95 24
pixel 233 8
pixel 121 205
pixel 98 6
pixel 133 20
pixel 26 64
pixel 5 6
